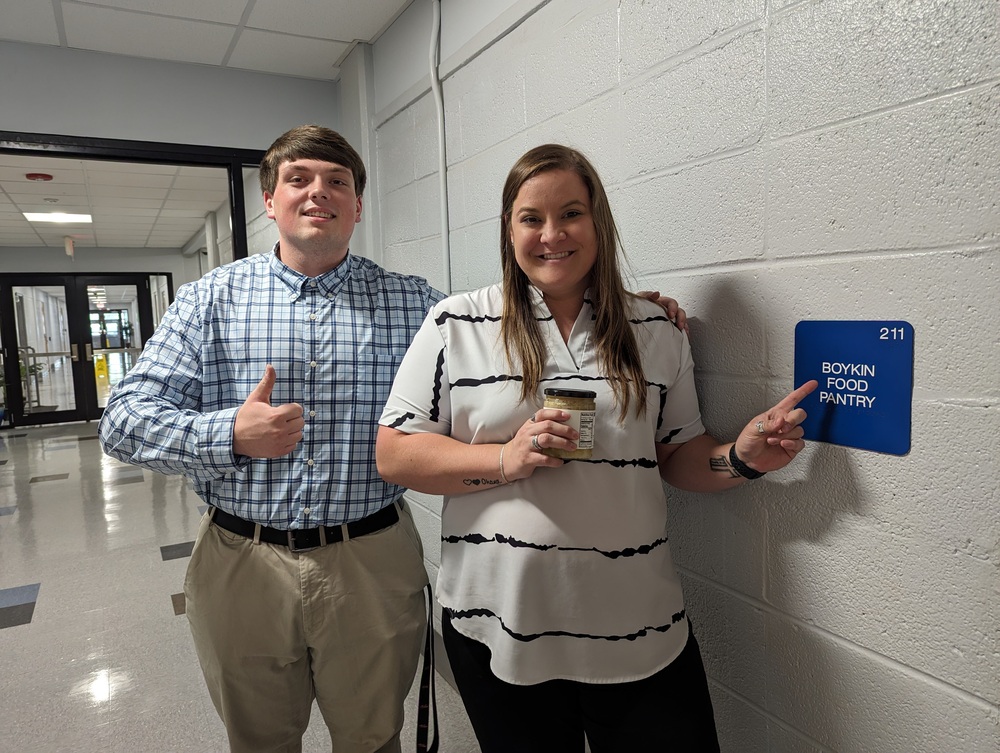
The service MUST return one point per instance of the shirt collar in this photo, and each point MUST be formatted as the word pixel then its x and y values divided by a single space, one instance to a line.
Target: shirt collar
pixel 327 284
pixel 542 309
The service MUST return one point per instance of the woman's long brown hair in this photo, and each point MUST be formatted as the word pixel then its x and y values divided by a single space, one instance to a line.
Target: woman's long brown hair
pixel 614 340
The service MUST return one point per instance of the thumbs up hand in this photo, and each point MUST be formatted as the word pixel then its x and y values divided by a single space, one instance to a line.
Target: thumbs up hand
pixel 263 431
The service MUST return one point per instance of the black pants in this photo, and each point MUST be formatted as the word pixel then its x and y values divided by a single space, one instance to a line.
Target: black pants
pixel 669 711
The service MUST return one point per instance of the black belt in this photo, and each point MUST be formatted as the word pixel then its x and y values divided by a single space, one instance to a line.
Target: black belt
pixel 304 539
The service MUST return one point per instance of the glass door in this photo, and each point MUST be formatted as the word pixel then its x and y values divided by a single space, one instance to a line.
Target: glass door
pixel 39 377
pixel 66 340
pixel 116 311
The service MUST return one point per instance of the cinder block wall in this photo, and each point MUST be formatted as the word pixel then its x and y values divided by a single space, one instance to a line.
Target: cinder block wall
pixel 770 162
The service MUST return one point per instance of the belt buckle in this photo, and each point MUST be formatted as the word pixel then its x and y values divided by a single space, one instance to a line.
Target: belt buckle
pixel 293 547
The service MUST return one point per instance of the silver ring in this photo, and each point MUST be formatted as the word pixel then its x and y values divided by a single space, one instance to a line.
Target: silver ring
pixel 760 427
pixel 534 442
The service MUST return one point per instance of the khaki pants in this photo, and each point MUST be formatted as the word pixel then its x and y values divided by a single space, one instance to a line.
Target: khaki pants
pixel 342 624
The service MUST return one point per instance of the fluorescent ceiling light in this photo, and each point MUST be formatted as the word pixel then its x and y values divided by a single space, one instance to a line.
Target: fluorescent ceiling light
pixel 56 217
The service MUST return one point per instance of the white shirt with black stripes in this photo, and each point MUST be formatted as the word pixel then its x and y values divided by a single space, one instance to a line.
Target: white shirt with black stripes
pixel 566 574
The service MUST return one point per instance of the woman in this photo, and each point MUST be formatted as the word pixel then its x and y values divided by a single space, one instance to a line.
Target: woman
pixel 563 614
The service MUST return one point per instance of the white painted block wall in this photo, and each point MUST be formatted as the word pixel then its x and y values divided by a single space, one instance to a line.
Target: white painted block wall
pixel 771 162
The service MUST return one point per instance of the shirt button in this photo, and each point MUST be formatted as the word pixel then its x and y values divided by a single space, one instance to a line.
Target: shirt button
pixel 306 512
pixel 312 317
pixel 312 364
pixel 310 461
pixel 312 414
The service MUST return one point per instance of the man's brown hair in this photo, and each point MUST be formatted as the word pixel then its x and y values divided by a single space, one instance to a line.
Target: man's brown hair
pixel 311 142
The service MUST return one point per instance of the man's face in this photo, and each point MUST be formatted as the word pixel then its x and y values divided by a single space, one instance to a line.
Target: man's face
pixel 315 207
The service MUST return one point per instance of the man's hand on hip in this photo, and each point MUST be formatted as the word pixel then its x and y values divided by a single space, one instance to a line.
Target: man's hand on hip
pixel 265 431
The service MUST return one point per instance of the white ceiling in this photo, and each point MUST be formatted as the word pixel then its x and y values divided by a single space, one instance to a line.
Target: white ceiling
pixel 133 205
pixel 163 206
pixel 306 38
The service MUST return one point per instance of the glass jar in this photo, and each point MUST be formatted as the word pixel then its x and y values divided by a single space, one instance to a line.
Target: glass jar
pixel 582 408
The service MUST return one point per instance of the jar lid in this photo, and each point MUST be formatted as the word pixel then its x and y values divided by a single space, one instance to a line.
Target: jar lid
pixel 580 394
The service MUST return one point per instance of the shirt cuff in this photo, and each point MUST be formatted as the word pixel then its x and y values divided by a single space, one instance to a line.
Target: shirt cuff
pixel 215 442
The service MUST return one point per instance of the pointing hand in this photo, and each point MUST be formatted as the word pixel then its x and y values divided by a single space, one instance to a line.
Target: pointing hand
pixel 772 439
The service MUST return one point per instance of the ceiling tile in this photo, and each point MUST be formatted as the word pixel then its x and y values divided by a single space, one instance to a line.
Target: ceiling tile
pixel 60 228
pixel 97 167
pixel 29 21
pixel 124 192
pixel 346 20
pixel 177 222
pixel 125 33
pixel 194 206
pixel 203 183
pixel 38 163
pixel 145 180
pixel 126 223
pixel 59 174
pixel 182 213
pixel 125 213
pixel 191 194
pixel 190 171
pixel 291 56
pixel 37 192
pixel 223 11
pixel 100 203
pixel 112 232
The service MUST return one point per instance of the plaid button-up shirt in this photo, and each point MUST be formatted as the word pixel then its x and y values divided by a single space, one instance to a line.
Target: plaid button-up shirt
pixel 335 342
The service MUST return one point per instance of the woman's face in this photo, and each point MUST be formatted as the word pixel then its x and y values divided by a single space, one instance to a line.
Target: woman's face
pixel 552 230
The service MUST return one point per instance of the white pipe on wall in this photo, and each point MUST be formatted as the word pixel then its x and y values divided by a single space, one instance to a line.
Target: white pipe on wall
pixel 442 154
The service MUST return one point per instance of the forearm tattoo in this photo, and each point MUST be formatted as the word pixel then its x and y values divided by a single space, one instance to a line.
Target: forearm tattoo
pixel 482 482
pixel 720 464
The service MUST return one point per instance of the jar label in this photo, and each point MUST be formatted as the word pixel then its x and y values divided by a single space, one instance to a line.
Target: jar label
pixel 583 422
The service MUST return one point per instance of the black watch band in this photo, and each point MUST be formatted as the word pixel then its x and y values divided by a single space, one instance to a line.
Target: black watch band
pixel 740 467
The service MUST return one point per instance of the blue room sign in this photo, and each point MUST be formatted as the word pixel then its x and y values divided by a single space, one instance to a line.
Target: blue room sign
pixel 865 375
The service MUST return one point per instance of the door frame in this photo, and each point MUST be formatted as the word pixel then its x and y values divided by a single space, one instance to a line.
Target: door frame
pixel 121 150
pixel 233 160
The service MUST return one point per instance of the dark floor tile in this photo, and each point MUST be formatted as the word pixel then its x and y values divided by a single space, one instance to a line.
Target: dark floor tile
pixel 7 511
pixel 3 462
pixel 51 477
pixel 19 614
pixel 176 551
pixel 179 603
pixel 84 439
pixel 12 597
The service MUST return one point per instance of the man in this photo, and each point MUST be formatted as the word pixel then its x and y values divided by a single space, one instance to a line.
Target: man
pixel 263 385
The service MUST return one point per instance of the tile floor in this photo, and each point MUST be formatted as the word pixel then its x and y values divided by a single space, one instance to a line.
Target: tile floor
pixel 95 653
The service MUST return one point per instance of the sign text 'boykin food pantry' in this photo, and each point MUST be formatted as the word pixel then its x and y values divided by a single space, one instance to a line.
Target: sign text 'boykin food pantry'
pixel 865 375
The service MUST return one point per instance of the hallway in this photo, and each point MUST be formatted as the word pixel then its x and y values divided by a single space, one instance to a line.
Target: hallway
pixel 97 655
